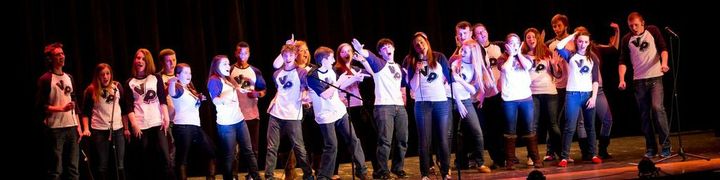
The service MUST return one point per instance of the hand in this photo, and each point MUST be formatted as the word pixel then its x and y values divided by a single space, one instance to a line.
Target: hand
pixel 86 133
pixel 591 102
pixel 510 50
pixel 291 41
pixel 456 75
pixel 664 68
pixel 615 26
pixel 461 109
pixel 126 133
pixel 419 65
pixel 136 131
pixel 69 106
pixel 165 126
pixel 359 47
pixel 554 58
pixel 622 85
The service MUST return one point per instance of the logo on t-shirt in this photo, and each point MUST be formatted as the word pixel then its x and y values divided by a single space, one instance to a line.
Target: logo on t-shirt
pixel 109 98
pixel 396 74
pixel 242 81
pixel 62 86
pixel 284 81
pixel 430 77
pixel 538 66
pixel 639 43
pixel 149 95
pixel 583 68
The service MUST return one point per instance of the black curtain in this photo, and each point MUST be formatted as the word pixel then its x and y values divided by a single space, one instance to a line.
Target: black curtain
pixel 111 32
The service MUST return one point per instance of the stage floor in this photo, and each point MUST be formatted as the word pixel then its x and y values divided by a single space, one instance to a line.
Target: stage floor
pixel 626 152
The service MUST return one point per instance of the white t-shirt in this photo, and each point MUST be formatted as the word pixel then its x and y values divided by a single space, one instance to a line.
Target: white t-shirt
pixel 389 78
pixel 228 113
pixel 515 81
pixel 541 79
pixel 290 84
pixel 326 110
pixel 186 108
pixel 147 96
pixel 249 78
pixel 59 89
pixel 467 74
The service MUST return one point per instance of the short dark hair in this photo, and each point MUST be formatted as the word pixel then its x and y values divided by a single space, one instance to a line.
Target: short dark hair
pixel 384 41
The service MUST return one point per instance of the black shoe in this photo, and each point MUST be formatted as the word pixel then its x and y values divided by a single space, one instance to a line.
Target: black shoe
pixel 381 176
pixel 400 174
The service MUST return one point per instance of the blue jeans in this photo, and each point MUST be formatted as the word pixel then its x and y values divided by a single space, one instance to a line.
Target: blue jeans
pixel 330 133
pixel 546 106
pixel 575 103
pixel 105 152
pixel 649 96
pixel 431 119
pixel 187 136
pixel 470 125
pixel 229 137
pixel 603 111
pixel 520 111
pixel 391 120
pixel 291 128
pixel 64 153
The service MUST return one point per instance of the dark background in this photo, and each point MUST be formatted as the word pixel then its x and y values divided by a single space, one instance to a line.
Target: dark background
pixel 111 32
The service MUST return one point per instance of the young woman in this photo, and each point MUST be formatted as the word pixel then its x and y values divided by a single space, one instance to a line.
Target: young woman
pixel 428 72
pixel 102 109
pixel 232 128
pixel 517 100
pixel 542 85
pixel 581 93
pixel 187 130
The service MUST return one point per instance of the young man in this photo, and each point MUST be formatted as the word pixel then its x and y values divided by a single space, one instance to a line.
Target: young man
pixel 250 78
pixel 645 47
pixel 331 114
pixel 56 101
pixel 286 112
pixel 390 115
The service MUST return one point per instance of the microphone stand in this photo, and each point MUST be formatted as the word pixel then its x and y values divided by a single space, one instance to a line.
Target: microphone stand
pixel 347 97
pixel 110 135
pixel 674 103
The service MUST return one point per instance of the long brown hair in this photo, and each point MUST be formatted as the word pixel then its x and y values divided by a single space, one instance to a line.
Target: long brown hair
pixel 214 65
pixel 413 56
pixel 149 63
pixel 541 50
pixel 341 63
pixel 178 69
pixel 96 86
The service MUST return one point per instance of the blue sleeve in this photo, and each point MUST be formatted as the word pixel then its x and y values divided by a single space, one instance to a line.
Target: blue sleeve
pixel 302 75
pixel 214 86
pixel 565 54
pixel 445 67
pixel 178 90
pixel 315 84
pixel 376 63
pixel 259 80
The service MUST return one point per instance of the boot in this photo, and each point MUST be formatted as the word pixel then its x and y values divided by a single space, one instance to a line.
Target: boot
pixel 211 170
pixel 182 172
pixel 602 148
pixel 102 175
pixel 533 150
pixel 510 151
